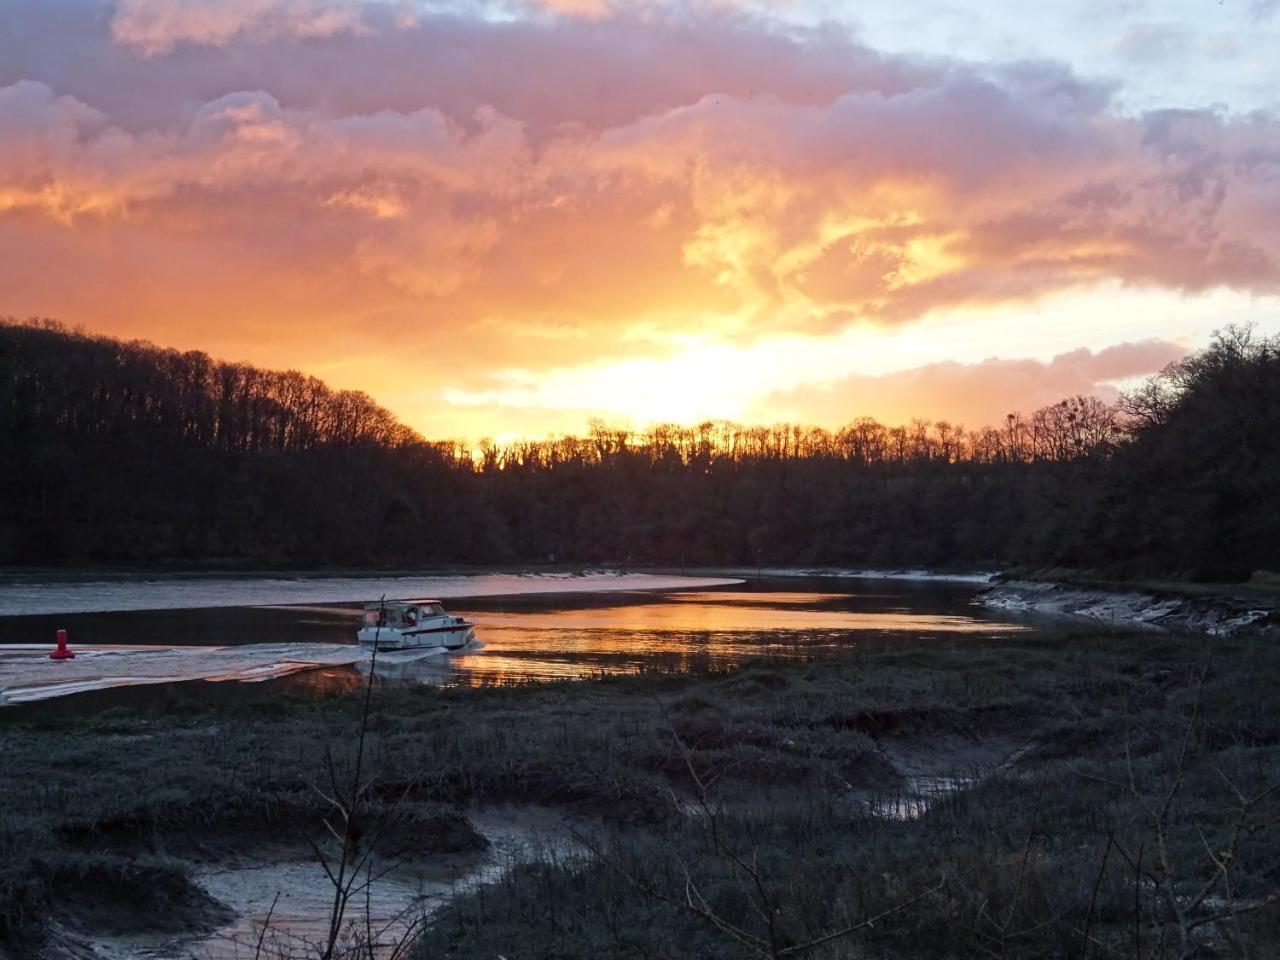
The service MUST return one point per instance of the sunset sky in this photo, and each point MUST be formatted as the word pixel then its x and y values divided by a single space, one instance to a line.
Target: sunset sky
pixel 507 218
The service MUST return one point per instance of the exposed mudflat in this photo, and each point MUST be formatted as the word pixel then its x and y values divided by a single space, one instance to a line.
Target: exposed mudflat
pixel 978 577
pixel 21 597
pixel 1217 614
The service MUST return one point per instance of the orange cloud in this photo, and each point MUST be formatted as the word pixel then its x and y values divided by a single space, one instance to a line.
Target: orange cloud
pixel 871 207
pixel 332 182
pixel 591 9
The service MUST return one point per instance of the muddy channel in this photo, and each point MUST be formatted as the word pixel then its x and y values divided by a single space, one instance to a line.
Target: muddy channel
pixel 276 902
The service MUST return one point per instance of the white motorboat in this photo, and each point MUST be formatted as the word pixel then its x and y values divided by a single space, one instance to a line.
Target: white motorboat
pixel 413 625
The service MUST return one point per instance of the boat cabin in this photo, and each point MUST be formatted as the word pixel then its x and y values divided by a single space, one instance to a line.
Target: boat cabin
pixel 399 614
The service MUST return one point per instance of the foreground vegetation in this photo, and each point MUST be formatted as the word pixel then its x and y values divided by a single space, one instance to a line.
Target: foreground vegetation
pixel 123 453
pixel 1093 796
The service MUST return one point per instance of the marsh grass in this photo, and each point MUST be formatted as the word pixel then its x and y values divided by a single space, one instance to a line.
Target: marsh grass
pixel 1079 759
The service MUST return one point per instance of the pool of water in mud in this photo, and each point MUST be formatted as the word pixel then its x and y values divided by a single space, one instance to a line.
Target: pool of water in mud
pixel 281 901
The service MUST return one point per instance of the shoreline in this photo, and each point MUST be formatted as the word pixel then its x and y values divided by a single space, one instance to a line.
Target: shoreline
pixel 903 574
pixel 212 591
pixel 1214 609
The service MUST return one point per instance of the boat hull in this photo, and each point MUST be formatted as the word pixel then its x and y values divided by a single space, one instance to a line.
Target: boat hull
pixel 451 637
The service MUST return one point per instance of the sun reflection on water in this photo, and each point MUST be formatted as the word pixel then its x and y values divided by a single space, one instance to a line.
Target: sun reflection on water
pixel 678 632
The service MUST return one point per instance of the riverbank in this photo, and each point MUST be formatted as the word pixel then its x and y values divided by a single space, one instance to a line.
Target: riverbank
pixel 1216 609
pixel 27 596
pixel 973 792
pixel 964 575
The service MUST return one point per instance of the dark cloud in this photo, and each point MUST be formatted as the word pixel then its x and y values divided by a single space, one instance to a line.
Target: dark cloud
pixel 589 74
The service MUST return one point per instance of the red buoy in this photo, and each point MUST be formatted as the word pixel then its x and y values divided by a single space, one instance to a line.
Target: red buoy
pixel 63 652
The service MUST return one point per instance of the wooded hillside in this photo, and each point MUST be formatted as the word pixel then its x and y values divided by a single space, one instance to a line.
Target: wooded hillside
pixel 126 453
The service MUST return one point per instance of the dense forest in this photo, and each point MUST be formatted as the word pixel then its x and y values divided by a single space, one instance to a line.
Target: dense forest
pixel 126 453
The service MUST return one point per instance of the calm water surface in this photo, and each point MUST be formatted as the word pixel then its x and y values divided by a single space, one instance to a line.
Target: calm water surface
pixel 698 629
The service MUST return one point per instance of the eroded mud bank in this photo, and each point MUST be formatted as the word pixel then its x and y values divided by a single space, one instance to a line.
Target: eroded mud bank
pixel 1214 613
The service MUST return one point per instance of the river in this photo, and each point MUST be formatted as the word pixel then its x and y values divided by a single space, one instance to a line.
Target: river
pixel 264 636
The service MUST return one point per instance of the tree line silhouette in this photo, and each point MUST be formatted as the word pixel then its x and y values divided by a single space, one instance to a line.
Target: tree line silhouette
pixel 126 453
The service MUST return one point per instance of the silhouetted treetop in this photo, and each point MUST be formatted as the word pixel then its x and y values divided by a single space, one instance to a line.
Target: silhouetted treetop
pixel 57 381
pixel 128 453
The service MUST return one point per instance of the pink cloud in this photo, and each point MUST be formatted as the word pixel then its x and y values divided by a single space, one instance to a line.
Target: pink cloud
pixel 590 9
pixel 878 205
pixel 974 395
pixel 547 72
pixel 155 27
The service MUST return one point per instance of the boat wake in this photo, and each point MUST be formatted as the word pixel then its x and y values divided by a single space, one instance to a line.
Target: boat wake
pixel 27 674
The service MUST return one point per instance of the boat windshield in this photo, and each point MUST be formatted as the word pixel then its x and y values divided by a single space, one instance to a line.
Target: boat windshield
pixel 390 617
pixel 398 616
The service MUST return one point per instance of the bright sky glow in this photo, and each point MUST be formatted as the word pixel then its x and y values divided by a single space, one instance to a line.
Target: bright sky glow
pixel 507 218
pixel 742 382
pixel 1165 54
